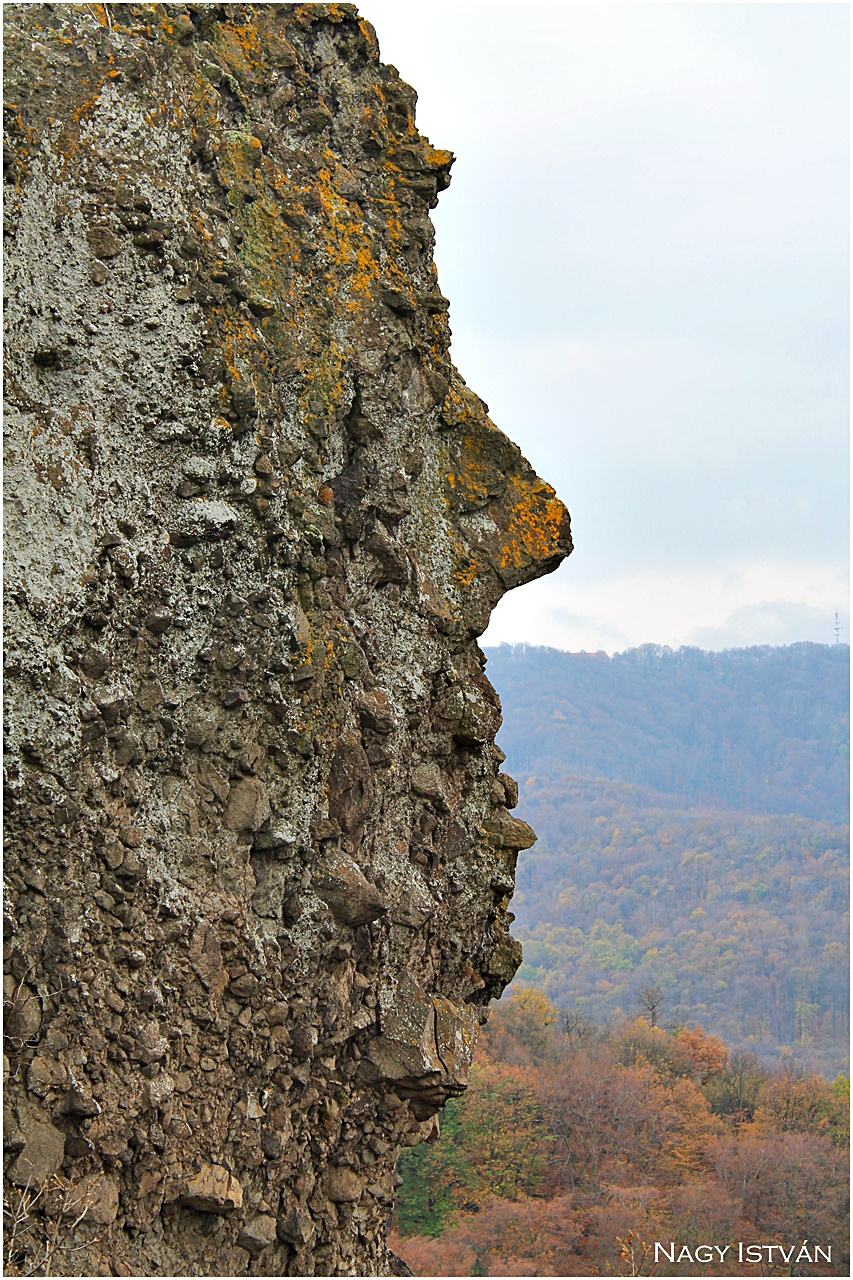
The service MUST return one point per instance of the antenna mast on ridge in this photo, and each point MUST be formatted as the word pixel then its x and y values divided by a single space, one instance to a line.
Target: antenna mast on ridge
pixel 837 628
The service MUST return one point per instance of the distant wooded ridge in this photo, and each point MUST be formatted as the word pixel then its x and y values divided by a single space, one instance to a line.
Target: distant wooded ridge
pixel 764 729
pixel 691 811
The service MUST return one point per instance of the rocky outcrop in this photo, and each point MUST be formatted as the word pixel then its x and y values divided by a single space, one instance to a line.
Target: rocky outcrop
pixel 259 854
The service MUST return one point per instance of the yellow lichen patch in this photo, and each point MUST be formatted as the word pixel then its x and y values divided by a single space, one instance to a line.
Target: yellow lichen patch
pixel 241 47
pixel 369 34
pixel 205 102
pixel 466 573
pixel 244 363
pixel 347 242
pixel 535 526
pixel 239 156
pixel 395 232
pixel 460 405
pixel 434 156
pixel 478 475
pixel 465 566
pixel 269 245
pixel 325 381
pixel 243 150
pixel 481 456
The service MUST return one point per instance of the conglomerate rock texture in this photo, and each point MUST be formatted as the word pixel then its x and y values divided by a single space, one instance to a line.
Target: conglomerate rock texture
pixel 259 850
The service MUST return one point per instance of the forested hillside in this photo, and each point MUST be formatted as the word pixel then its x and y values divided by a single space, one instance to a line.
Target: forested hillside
pixel 578 1146
pixel 690 809
pixel 763 729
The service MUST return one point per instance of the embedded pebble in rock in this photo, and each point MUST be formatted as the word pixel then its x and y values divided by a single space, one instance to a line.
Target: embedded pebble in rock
pixel 213 1190
pixel 93 1199
pixel 43 1150
pixel 258 1234
pixel 259 853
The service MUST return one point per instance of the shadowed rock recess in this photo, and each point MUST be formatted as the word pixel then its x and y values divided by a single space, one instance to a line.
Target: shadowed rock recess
pixel 259 850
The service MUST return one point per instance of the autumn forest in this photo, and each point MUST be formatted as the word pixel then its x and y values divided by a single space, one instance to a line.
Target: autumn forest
pixel 671 1063
pixel 577 1147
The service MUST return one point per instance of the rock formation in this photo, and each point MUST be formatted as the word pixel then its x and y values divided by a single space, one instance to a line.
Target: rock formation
pixel 259 850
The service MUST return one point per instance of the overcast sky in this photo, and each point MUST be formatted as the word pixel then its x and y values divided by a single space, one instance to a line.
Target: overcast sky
pixel 645 245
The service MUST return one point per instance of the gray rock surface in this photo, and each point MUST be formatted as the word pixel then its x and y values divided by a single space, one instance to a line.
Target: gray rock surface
pixel 259 857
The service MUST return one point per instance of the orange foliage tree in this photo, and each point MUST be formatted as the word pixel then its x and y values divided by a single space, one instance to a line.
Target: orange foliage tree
pixel 505 1238
pixel 599 1143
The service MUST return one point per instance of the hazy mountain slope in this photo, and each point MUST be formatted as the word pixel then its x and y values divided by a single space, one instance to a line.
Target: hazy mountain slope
pixel 738 912
pixel 766 729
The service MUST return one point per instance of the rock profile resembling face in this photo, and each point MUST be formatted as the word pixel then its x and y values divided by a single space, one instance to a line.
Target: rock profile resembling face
pixel 259 848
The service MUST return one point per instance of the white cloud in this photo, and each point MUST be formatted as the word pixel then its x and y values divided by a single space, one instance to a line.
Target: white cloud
pixel 779 622
pixel 736 604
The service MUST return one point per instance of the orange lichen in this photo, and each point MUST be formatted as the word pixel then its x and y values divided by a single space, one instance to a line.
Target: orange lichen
pixel 435 157
pixel 535 523
pixel 466 573
pixel 205 101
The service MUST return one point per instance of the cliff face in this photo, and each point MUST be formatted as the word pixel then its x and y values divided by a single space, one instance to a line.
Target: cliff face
pixel 259 850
